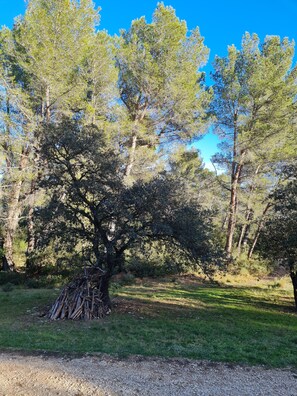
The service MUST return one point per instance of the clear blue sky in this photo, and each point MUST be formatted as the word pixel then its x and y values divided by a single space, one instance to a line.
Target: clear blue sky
pixel 221 22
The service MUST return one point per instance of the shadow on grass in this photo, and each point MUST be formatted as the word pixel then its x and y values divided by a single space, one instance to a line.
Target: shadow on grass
pixel 239 303
pixel 205 322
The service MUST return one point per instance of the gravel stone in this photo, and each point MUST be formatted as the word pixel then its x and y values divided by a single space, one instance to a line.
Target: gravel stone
pixel 104 375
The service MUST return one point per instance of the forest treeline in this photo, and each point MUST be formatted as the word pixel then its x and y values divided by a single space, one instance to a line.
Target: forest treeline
pixel 95 131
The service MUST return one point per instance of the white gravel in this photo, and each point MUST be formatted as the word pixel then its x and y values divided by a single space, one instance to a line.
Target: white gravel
pixel 105 375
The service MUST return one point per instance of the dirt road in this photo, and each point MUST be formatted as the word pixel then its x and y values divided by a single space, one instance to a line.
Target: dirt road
pixel 104 375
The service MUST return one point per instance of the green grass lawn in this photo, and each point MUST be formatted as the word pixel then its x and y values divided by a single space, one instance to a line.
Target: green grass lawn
pixel 253 325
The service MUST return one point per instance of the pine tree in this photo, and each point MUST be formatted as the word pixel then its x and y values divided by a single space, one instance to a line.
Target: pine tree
pixel 255 90
pixel 42 79
pixel 159 81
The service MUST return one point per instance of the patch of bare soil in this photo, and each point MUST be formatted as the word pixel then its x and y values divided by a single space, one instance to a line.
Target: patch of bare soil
pixel 108 376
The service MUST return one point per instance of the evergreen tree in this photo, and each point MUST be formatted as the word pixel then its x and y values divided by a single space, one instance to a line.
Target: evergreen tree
pixel 43 66
pixel 51 44
pixel 17 148
pixel 159 81
pixel 254 105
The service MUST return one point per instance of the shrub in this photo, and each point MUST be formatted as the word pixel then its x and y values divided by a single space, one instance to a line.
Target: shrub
pixel 252 267
pixel 45 282
pixel 8 287
pixel 156 267
pixel 15 278
pixel 34 283
pixel 127 279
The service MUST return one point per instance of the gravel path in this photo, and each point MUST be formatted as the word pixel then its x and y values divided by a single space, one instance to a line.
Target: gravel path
pixel 104 375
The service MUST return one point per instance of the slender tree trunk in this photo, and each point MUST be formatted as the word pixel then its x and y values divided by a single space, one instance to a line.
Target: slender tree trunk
pixel 93 101
pixel 48 105
pixel 231 219
pixel 258 232
pixel 12 220
pixel 11 201
pixel 9 233
pixel 256 237
pixel 42 109
pixel 8 262
pixel 132 152
pixel 224 222
pixel 30 233
pixel 233 205
pixel 249 215
pixel 242 233
pixel 131 156
pixel 45 113
pixel 138 119
pixel 245 231
pixel 13 213
pixel 236 169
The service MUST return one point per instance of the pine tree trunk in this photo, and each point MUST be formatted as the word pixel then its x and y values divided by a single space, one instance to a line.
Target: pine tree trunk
pixel 249 215
pixel 138 119
pixel 237 162
pixel 231 220
pixel 258 232
pixel 255 240
pixel 237 168
pixel 31 233
pixel 242 242
pixel 30 237
pixel 242 233
pixel 48 105
pixel 246 236
pixel 8 262
pixel 9 234
pixel 224 222
pixel 30 220
pixel 12 220
pixel 14 209
pixel 131 156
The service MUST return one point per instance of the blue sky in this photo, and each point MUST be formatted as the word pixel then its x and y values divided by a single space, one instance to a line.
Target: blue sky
pixel 221 22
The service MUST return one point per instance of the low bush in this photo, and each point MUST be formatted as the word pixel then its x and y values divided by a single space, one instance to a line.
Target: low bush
pixel 8 287
pixel 142 268
pixel 246 267
pixel 15 278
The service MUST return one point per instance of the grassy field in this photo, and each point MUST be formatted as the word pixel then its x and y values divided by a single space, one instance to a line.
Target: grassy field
pixel 253 324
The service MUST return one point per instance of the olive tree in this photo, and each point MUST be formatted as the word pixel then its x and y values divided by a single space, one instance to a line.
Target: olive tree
pixel 90 204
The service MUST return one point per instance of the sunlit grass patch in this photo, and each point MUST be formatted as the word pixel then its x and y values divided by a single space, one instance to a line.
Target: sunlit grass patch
pixel 253 325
